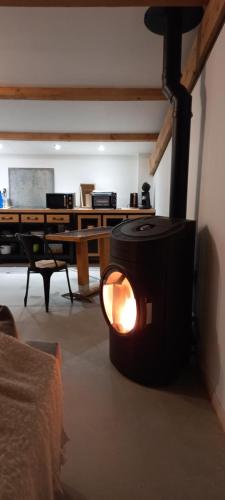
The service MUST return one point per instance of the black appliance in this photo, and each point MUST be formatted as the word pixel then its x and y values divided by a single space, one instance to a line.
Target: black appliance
pixel 105 199
pixel 145 196
pixel 146 297
pixel 134 200
pixel 60 200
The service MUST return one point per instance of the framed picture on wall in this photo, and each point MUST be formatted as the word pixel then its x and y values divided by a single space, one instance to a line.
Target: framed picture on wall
pixel 28 186
pixel 85 195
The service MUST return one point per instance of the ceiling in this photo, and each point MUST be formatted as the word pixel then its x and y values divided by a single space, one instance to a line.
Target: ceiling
pixel 80 47
pixel 45 148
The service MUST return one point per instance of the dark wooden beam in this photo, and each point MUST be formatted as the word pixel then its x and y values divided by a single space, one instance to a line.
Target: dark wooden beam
pixel 81 93
pixel 78 137
pixel 101 3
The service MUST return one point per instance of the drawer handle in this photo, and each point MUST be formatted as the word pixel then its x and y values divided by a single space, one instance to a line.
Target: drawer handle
pixel 7 218
pixel 57 218
pixel 32 218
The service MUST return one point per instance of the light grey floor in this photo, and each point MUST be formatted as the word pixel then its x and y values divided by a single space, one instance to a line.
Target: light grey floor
pixel 127 442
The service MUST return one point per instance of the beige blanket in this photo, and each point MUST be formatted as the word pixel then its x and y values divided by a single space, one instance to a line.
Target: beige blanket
pixel 30 422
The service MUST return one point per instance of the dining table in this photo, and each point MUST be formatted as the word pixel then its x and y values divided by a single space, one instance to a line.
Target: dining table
pixel 81 238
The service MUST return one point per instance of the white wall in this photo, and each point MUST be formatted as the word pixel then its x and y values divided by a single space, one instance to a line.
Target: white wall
pixel 144 176
pixel 161 184
pixel 196 149
pixel 211 225
pixel 206 203
pixel 108 173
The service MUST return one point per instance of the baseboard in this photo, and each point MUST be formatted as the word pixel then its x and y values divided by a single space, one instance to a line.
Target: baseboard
pixel 219 410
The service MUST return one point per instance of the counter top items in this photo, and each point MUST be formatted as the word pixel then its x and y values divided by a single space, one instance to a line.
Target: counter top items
pixel 60 200
pixel 1 200
pixel 133 200
pixel 145 197
pixel 4 197
pixel 105 199
pixel 85 194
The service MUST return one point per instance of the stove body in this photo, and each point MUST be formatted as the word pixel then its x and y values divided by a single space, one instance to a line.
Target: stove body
pixel 155 255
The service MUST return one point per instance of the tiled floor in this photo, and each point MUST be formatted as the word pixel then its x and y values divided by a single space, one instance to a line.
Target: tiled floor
pixel 127 442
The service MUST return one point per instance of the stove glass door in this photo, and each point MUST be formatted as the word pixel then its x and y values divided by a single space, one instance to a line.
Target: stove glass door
pixel 119 302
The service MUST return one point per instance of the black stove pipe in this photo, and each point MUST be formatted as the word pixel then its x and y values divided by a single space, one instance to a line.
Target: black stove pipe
pixel 181 101
pixel 180 153
pixel 171 22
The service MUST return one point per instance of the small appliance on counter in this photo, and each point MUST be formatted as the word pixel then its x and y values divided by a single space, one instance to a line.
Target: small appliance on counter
pixel 145 196
pixel 60 200
pixel 134 200
pixel 106 199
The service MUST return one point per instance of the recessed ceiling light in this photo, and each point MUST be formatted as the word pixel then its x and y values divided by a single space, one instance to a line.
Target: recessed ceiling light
pixel 101 147
pixel 57 147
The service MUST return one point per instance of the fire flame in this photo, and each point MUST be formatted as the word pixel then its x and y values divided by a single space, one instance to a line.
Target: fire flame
pixel 127 315
pixel 119 302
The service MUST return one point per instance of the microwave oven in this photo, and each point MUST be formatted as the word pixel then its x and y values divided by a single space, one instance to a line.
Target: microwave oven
pixel 60 200
pixel 103 199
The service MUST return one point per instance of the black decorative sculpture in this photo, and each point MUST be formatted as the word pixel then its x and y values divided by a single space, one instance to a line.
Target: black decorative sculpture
pixel 145 197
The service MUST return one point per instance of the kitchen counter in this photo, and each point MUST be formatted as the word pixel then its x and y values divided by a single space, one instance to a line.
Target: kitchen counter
pixel 77 210
pixel 42 221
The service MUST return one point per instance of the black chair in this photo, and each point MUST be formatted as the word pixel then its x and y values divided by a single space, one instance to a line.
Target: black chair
pixel 46 266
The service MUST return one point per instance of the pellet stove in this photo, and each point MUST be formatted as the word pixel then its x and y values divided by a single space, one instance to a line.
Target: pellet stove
pixel 146 297
pixel 146 291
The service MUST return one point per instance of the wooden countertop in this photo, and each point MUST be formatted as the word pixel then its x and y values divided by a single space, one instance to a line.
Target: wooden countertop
pixel 147 211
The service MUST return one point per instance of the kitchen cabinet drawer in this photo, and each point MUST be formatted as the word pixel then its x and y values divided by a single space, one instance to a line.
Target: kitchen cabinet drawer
pixel 58 218
pixel 32 217
pixel 88 221
pixel 135 216
pixel 9 217
pixel 113 219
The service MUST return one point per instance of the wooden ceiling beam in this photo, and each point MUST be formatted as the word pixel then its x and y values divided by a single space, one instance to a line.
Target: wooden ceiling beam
pixel 101 3
pixel 81 93
pixel 78 137
pixel 209 29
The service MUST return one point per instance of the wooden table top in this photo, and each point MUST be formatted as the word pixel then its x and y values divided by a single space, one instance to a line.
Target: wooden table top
pixel 80 235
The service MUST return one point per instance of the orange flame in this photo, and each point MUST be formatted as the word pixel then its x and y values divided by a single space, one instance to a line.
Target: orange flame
pixel 119 302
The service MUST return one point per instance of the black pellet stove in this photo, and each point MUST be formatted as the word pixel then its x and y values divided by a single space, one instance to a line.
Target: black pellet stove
pixel 146 296
pixel 146 291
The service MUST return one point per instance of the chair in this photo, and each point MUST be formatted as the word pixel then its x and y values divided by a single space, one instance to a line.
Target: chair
pixel 46 267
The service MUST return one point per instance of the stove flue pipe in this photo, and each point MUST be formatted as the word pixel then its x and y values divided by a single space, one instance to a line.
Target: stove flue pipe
pixel 180 153
pixel 181 101
pixel 172 22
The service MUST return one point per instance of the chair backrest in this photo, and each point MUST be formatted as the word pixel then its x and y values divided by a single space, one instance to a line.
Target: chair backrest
pixel 28 241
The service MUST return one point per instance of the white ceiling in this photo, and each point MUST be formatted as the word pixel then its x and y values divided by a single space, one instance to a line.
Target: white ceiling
pixel 80 47
pixel 45 148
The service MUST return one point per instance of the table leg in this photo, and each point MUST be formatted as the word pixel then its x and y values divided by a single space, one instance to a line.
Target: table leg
pixel 82 266
pixel 84 290
pixel 104 253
